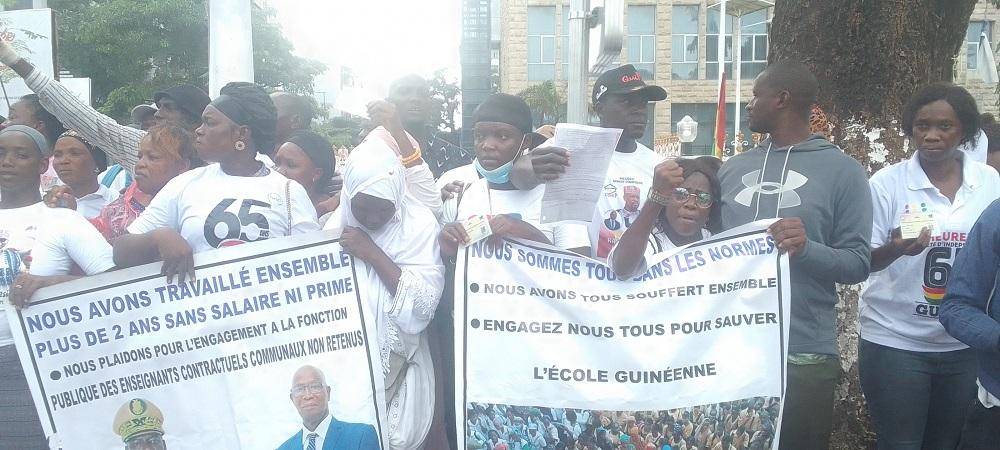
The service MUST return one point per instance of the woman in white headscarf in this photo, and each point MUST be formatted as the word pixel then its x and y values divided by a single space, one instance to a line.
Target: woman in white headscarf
pixel 393 237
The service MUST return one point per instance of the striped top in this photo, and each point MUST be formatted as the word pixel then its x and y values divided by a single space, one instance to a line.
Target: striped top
pixel 120 142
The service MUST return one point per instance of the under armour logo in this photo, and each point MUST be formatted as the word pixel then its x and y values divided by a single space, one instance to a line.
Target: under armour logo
pixel 789 198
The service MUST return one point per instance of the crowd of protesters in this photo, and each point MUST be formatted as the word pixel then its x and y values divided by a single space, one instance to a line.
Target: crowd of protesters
pixel 737 425
pixel 81 194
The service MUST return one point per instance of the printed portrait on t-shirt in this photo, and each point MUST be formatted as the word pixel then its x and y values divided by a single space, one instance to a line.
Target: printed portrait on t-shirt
pixel 630 195
pixel 625 201
pixel 612 223
pixel 12 255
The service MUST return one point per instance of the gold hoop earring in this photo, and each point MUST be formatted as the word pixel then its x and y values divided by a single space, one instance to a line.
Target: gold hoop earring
pixel 240 146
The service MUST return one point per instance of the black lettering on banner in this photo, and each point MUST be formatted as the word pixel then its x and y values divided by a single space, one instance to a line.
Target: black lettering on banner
pixel 232 225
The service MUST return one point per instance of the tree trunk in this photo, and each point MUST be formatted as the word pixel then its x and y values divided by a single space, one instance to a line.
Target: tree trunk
pixel 869 57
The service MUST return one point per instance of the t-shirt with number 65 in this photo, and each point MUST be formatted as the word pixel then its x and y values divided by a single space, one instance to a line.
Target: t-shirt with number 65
pixel 899 304
pixel 211 209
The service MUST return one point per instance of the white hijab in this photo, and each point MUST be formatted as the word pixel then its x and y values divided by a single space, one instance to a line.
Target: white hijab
pixel 410 237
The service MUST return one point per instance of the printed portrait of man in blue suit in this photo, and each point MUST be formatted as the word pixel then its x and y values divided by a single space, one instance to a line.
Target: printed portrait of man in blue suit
pixel 320 430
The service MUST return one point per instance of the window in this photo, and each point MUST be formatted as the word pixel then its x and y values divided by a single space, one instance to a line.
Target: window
pixel 495 20
pixel 640 21
pixel 712 45
pixel 541 43
pixel 976 28
pixel 753 44
pixel 684 43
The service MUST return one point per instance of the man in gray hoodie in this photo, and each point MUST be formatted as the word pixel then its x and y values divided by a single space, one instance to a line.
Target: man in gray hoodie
pixel 822 198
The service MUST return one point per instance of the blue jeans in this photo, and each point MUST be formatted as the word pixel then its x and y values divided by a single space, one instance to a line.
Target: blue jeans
pixel 917 400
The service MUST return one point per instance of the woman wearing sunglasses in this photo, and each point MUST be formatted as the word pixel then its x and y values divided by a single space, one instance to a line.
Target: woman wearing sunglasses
pixel 682 207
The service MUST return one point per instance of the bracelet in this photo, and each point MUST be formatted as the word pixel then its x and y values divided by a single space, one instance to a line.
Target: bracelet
pixel 415 156
pixel 657 198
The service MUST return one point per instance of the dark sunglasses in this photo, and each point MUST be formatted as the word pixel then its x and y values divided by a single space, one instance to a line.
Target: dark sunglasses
pixel 701 199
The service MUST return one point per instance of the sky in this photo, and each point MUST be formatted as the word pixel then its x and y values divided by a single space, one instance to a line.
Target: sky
pixel 380 40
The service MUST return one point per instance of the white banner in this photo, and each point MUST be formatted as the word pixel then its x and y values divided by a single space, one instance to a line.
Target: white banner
pixel 31 33
pixel 208 362
pixel 550 347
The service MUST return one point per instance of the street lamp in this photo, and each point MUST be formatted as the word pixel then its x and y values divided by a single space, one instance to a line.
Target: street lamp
pixel 687 132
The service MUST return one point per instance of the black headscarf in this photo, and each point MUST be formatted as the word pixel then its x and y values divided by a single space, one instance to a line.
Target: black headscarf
pixel 319 150
pixel 248 105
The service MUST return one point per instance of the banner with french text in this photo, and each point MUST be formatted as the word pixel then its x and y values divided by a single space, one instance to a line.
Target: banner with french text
pixel 268 340
pixel 553 351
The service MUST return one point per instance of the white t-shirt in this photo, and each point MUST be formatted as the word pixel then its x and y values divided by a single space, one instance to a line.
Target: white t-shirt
pixel 90 205
pixel 479 200
pixel 466 174
pixel 657 243
pixel 899 304
pixel 211 209
pixel 48 241
pixel 629 175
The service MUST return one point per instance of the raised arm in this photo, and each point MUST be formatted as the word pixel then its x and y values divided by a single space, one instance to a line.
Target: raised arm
pixel 120 142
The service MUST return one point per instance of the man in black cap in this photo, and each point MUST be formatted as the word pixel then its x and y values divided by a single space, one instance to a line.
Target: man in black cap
pixel 620 98
pixel 141 116
pixel 181 105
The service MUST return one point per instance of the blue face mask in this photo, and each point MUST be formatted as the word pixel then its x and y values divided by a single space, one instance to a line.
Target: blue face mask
pixel 501 174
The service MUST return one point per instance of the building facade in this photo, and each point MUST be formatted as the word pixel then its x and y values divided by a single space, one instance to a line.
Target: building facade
pixel 477 58
pixel 675 44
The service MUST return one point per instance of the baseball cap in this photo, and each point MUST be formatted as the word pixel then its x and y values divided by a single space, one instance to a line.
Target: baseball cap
pixel 190 99
pixel 142 109
pixel 625 80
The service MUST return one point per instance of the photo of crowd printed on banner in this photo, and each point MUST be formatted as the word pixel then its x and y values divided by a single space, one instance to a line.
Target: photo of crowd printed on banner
pixel 269 336
pixel 740 424
pixel 704 329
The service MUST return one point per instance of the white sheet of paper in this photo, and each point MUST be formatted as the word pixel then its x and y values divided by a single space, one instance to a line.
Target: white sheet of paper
pixel 574 195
